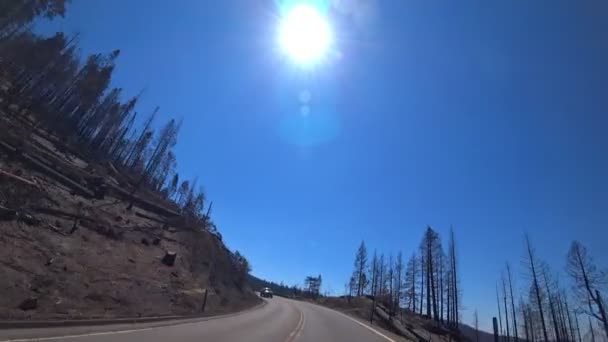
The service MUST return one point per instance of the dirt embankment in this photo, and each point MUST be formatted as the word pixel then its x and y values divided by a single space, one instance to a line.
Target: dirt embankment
pixel 65 255
pixel 412 326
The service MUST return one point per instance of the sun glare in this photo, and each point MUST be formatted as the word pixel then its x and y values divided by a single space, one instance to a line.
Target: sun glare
pixel 305 34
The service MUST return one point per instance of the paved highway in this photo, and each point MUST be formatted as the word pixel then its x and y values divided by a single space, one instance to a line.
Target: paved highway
pixel 280 320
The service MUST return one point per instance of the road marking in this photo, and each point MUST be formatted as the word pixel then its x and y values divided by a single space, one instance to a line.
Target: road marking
pixel 367 327
pixel 298 329
pixel 81 335
pixel 116 332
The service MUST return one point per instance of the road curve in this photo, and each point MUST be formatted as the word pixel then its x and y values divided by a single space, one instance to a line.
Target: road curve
pixel 281 320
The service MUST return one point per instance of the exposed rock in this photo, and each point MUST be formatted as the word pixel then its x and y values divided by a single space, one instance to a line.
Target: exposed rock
pixel 169 258
pixel 29 304
pixel 29 219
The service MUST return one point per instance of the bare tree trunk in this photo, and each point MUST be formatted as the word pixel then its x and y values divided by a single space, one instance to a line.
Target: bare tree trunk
pixel 563 320
pixel 429 279
pixel 432 280
pixel 374 274
pixel 597 298
pixel 398 282
pixel 512 304
pixel 600 305
pixel 536 288
pixel 454 277
pixel 552 308
pixel 449 299
pixel 504 291
pixel 524 312
pixel 476 324
pixel 531 325
pixel 441 293
pixel 570 325
pixel 390 286
pixel 578 328
pixel 499 313
pixel 591 330
pixel 414 286
pixel 422 267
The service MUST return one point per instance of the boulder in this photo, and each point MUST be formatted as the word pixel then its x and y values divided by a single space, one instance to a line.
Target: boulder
pixel 169 258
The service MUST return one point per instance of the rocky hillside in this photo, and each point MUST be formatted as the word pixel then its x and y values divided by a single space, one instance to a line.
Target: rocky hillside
pixel 71 246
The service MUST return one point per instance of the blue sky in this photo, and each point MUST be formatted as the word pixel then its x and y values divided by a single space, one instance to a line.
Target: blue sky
pixel 490 117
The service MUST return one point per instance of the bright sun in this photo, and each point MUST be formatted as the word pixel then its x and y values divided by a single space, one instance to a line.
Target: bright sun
pixel 305 35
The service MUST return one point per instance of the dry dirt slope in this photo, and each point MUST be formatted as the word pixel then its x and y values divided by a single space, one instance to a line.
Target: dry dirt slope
pixel 88 275
pixel 110 264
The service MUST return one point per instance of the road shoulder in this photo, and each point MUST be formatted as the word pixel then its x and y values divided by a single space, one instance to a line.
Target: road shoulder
pixel 60 329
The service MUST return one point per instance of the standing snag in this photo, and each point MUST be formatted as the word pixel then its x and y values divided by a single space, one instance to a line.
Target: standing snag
pixel 515 332
pixel 476 325
pixel 454 280
pixel 587 282
pixel 537 292
pixel 360 268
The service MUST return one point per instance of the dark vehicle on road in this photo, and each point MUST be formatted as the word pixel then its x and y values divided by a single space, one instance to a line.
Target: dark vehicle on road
pixel 266 293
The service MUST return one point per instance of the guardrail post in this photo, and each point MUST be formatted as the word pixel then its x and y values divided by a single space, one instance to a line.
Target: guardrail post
pixel 204 301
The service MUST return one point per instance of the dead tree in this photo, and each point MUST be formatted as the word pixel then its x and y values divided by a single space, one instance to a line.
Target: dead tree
pixel 515 332
pixel 422 274
pixel 524 312
pixel 374 274
pixel 381 286
pixel 499 312
pixel 587 280
pixel 360 266
pixel 591 330
pixel 441 292
pixel 578 328
pixel 552 308
pixel 533 269
pixel 476 324
pixel 570 323
pixel 390 274
pixel 455 293
pixel 398 280
pixel 504 291
pixel 411 275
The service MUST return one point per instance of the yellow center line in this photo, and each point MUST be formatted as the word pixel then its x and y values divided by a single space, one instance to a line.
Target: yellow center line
pixel 298 329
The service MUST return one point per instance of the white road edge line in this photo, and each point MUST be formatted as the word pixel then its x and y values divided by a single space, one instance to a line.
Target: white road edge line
pixel 366 327
pixel 116 332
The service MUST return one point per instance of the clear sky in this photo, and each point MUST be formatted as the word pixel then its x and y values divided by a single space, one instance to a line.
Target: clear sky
pixel 491 116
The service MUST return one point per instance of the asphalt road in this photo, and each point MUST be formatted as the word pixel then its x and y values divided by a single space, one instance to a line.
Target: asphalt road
pixel 280 320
